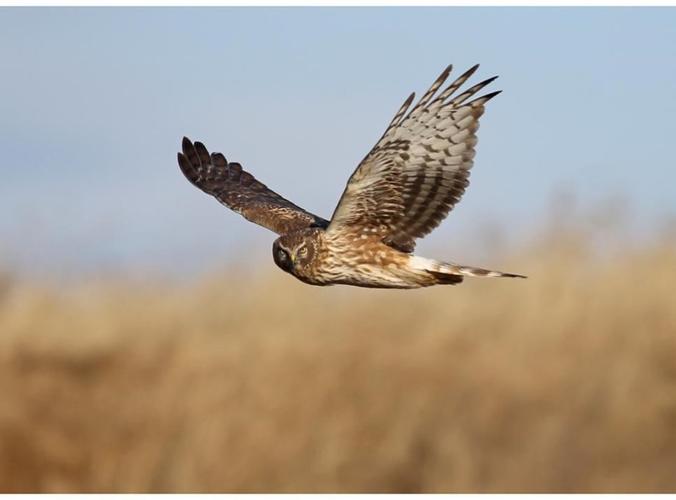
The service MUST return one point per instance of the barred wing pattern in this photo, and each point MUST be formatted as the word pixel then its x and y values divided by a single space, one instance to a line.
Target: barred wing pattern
pixel 240 191
pixel 418 170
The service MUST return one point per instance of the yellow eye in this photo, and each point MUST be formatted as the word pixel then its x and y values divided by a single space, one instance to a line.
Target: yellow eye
pixel 302 251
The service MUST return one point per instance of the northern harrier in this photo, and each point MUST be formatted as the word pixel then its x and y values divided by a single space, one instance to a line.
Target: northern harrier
pixel 400 191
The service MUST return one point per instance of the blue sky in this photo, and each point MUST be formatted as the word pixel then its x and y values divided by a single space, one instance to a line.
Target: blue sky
pixel 94 102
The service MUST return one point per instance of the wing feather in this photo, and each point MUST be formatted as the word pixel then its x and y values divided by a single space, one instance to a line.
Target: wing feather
pixel 419 169
pixel 240 191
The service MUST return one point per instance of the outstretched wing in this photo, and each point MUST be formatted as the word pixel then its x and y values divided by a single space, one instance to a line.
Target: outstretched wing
pixel 239 190
pixel 418 170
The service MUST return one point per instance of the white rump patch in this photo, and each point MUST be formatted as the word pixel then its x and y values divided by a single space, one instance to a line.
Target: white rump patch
pixel 417 262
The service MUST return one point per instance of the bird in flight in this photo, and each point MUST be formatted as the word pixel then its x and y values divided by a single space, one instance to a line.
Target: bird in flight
pixel 404 187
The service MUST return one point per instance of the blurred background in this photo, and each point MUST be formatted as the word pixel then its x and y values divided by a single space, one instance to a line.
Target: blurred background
pixel 148 342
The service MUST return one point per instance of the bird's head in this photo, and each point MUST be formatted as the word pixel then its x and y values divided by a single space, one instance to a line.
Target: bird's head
pixel 294 252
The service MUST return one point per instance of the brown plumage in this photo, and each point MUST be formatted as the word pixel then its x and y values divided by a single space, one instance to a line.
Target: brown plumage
pixel 404 187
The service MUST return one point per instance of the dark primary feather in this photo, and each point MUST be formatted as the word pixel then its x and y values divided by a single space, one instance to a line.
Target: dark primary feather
pixel 419 169
pixel 239 190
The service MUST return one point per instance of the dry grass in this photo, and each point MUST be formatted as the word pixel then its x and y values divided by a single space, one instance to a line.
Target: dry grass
pixel 563 382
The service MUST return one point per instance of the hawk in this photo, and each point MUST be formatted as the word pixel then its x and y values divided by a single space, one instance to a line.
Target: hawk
pixel 404 187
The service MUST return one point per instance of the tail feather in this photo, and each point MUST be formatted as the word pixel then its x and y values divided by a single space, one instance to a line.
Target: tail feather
pixel 483 273
pixel 447 273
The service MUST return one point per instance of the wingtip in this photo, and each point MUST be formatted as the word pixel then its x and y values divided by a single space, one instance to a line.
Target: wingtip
pixel 184 165
pixel 186 145
pixel 467 74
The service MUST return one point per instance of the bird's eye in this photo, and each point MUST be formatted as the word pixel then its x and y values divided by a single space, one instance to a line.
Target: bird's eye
pixel 281 254
pixel 302 251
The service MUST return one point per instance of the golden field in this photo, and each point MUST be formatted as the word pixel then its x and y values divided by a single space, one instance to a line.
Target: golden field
pixel 236 383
